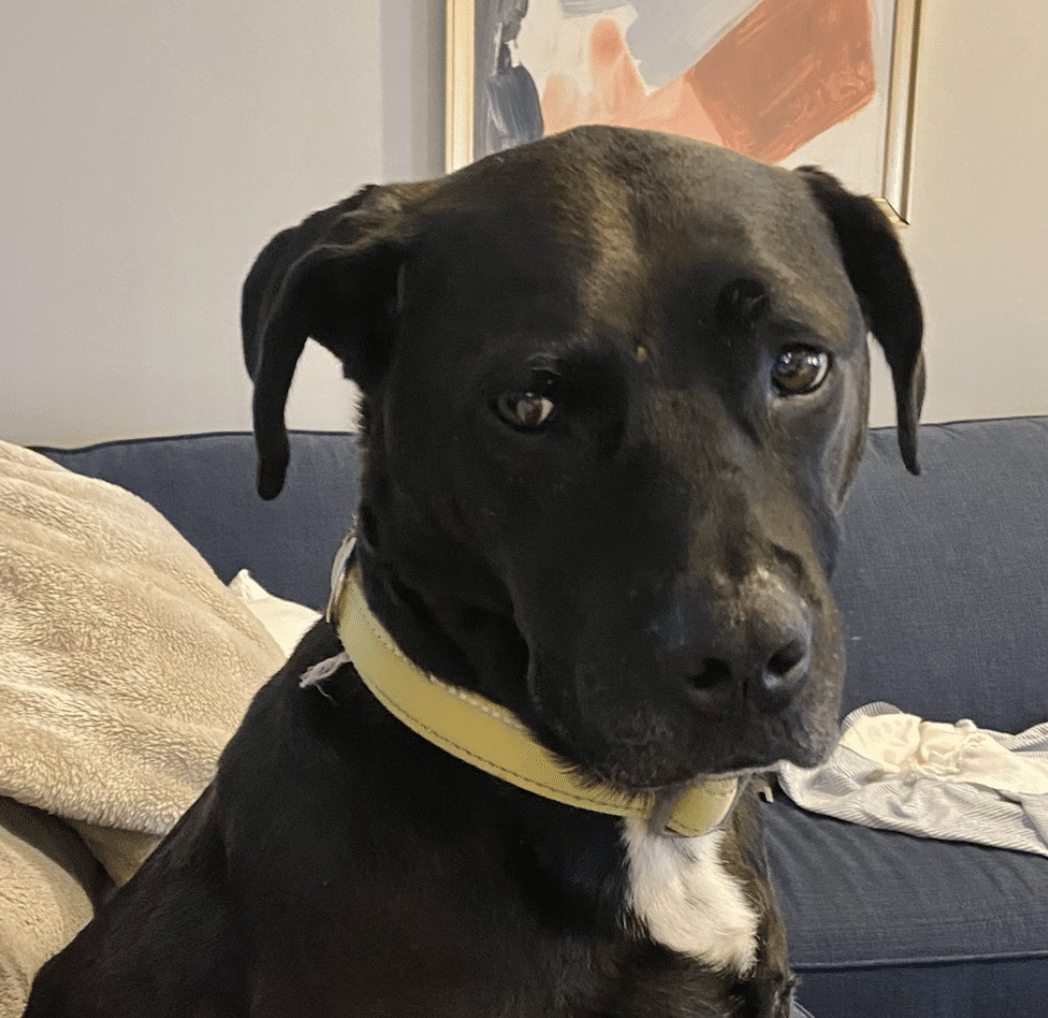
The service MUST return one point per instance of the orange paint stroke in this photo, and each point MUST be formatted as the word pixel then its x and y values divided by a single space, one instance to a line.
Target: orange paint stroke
pixel 617 95
pixel 787 72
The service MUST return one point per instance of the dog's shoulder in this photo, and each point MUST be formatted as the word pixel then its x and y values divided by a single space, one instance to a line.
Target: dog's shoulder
pixel 277 750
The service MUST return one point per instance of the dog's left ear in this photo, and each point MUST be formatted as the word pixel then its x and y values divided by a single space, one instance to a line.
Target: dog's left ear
pixel 879 274
pixel 332 278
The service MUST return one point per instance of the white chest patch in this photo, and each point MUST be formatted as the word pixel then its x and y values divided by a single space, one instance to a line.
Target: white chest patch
pixel 684 897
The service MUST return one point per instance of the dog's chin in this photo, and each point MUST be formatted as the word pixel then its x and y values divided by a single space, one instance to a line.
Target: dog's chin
pixel 634 770
pixel 650 748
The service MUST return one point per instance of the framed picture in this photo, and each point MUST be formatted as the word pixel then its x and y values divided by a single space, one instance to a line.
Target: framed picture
pixel 795 82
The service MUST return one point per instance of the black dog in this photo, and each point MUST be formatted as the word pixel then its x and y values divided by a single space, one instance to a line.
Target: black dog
pixel 615 388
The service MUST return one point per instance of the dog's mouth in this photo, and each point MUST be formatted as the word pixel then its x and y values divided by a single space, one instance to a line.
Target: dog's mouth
pixel 723 682
pixel 666 779
pixel 660 750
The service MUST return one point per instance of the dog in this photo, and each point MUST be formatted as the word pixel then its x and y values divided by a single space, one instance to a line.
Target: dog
pixel 614 389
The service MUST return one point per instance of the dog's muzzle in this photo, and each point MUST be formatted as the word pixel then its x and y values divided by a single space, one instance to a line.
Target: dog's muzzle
pixel 486 735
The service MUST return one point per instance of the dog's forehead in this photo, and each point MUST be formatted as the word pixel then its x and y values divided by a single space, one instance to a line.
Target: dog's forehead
pixel 611 211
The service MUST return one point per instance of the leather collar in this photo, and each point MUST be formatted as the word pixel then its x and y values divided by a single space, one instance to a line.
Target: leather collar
pixel 488 736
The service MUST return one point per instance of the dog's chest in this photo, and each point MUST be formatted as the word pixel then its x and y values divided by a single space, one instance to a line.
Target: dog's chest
pixel 685 898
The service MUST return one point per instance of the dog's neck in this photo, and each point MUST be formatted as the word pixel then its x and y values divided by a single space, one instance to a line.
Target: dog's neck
pixel 486 735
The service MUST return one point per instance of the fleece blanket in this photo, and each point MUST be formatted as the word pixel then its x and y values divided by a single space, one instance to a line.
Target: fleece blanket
pixel 125 664
pixel 49 886
pixel 952 781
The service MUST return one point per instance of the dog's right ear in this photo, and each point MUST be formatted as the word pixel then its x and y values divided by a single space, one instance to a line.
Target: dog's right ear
pixel 333 278
pixel 876 266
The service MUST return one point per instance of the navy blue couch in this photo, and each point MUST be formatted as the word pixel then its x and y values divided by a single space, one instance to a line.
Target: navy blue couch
pixel 943 581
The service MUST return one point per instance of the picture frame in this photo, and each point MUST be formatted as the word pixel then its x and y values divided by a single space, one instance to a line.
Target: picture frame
pixel 868 145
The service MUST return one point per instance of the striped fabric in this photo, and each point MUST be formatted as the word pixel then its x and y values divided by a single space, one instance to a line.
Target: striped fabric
pixel 954 782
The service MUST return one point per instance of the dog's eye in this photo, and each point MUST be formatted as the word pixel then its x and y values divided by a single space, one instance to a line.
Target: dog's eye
pixel 526 410
pixel 798 370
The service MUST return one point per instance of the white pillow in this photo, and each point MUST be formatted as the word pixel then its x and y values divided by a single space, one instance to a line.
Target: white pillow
pixel 286 621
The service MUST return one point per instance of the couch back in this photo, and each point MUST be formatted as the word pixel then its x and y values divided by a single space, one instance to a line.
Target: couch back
pixel 205 485
pixel 942 578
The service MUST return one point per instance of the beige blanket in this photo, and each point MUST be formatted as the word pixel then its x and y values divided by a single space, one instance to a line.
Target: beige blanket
pixel 125 665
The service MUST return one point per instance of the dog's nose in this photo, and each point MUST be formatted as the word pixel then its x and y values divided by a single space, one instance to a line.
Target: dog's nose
pixel 764 676
pixel 755 647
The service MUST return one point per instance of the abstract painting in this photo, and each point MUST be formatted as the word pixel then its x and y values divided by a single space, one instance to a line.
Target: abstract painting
pixel 787 81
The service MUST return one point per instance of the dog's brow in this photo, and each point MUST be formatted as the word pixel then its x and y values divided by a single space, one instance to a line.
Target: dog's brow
pixel 828 323
pixel 545 361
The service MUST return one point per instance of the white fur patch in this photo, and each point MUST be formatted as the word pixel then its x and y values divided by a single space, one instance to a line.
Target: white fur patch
pixel 686 899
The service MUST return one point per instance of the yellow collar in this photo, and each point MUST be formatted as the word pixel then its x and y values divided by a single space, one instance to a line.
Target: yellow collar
pixel 482 733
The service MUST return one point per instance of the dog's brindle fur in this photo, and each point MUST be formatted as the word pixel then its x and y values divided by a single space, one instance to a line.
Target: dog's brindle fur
pixel 641 576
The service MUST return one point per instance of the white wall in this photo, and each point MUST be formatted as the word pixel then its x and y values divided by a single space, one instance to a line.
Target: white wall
pixel 978 241
pixel 148 151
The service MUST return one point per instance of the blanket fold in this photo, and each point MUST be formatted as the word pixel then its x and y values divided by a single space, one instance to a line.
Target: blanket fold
pixel 125 664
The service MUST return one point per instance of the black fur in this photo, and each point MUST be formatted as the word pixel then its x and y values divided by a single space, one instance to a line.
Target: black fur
pixel 642 579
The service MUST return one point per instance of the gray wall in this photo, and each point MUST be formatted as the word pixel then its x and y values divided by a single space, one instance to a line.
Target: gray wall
pixel 979 238
pixel 150 149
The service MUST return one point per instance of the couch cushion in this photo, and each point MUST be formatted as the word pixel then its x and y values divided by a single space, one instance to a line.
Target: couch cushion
pixel 900 926
pixel 943 578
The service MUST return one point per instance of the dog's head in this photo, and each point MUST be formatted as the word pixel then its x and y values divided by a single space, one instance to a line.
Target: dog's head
pixel 615 388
